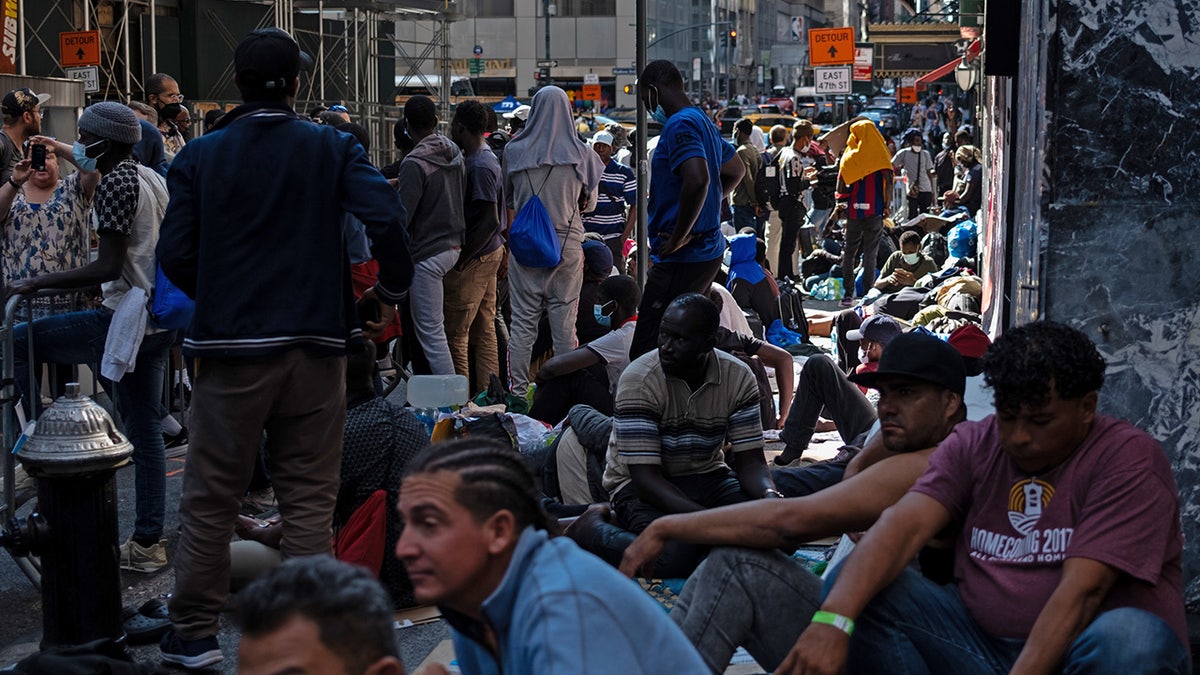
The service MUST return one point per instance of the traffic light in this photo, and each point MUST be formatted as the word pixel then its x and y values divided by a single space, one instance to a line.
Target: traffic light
pixel 733 38
pixel 628 89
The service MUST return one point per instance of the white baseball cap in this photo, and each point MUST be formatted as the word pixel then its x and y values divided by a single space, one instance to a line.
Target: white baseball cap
pixel 602 137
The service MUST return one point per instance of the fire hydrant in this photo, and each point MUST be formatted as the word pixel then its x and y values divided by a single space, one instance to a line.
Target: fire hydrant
pixel 74 453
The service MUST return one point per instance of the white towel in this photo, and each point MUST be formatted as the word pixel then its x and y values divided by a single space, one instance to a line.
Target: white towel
pixel 125 335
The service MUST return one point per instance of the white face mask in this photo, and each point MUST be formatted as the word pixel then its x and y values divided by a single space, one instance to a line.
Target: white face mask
pixel 862 355
pixel 912 258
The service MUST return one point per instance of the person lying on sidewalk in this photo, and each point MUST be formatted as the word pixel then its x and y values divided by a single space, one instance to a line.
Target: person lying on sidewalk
pixel 760 598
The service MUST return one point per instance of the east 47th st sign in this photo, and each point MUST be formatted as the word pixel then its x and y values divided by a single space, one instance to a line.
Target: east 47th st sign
pixel 830 46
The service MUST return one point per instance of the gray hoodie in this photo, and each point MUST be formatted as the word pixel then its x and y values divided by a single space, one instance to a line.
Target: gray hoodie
pixel 431 187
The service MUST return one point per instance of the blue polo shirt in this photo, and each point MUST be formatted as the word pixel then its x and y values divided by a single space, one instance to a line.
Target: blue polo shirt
pixel 688 133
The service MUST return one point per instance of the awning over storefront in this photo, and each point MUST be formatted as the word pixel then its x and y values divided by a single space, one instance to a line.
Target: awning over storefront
pixel 938 73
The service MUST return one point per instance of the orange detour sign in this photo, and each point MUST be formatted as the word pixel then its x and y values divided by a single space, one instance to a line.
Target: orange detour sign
pixel 80 48
pixel 830 46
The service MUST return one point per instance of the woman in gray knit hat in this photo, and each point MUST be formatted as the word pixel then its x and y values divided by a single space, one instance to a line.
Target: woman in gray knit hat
pixel 128 206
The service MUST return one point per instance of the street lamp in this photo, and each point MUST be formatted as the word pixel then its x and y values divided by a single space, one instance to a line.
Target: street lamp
pixel 966 75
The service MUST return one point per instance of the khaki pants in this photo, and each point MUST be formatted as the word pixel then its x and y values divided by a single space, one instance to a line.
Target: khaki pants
pixel 300 401
pixel 470 308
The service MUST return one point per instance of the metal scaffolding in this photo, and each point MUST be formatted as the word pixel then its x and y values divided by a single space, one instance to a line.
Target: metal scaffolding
pixel 345 40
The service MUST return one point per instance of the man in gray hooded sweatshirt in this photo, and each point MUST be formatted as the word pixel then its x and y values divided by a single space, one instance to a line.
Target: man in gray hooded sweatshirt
pixel 431 187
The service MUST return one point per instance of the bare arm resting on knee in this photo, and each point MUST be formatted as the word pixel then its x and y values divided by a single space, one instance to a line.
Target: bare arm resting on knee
pixel 849 506
pixel 875 562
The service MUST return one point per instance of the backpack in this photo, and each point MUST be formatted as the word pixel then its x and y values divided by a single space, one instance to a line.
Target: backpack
pixel 791 308
pixel 766 182
pixel 532 239
pixel 934 245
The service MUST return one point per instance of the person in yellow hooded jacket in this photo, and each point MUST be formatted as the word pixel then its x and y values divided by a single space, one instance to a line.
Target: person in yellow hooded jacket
pixel 864 189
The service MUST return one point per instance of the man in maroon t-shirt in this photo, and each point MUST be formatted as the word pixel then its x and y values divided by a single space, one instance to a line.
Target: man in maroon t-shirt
pixel 1069 544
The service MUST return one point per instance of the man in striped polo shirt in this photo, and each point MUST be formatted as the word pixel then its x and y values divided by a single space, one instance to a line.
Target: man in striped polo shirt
pixel 676 409
pixel 616 205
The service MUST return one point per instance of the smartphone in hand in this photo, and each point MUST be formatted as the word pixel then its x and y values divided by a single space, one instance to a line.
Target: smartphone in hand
pixel 37 157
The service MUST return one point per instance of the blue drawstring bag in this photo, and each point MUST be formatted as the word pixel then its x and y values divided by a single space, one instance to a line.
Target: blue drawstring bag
pixel 532 239
pixel 171 308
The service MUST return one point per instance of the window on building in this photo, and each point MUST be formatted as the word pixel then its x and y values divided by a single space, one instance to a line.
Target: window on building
pixel 495 8
pixel 585 7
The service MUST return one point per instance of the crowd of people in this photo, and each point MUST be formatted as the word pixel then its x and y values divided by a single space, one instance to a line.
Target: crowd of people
pixel 1045 535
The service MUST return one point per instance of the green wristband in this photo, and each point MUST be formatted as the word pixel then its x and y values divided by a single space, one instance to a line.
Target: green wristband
pixel 842 623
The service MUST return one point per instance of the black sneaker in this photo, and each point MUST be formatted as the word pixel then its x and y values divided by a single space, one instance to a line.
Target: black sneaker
pixel 200 653
pixel 177 440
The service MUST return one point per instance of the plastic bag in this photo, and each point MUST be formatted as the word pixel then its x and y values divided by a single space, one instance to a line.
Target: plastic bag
pixel 171 308
pixel 961 239
pixel 828 289
pixel 532 239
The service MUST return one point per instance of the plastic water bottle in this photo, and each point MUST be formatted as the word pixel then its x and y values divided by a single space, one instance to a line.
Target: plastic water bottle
pixel 437 391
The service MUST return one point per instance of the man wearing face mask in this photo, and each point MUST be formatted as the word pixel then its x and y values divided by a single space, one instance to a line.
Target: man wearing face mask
pixel 693 168
pixel 913 161
pixel 589 374
pixel 905 266
pixel 129 205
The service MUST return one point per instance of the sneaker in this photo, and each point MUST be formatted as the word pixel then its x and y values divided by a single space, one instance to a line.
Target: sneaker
pixel 200 653
pixel 138 558
pixel 257 503
pixel 177 440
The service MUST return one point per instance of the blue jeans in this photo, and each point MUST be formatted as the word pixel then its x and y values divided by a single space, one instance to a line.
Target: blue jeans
pixel 78 337
pixel 916 626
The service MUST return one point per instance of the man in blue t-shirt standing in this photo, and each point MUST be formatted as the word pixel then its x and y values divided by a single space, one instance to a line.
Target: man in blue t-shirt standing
pixel 693 168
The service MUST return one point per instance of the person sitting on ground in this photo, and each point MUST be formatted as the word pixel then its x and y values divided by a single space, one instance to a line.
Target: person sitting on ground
pixel 952 206
pixel 590 373
pixel 825 387
pixel 317 615
pixel 752 286
pixel 518 600
pixel 905 266
pixel 1069 551
pixel 761 598
pixel 597 266
pixel 676 409
pixel 379 441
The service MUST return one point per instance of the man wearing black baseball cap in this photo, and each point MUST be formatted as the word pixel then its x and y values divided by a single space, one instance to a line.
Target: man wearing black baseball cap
pixel 747 593
pixel 1068 549
pixel 261 251
pixel 22 110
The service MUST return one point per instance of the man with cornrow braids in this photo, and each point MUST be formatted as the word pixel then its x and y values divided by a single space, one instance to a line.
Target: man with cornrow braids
pixel 518 600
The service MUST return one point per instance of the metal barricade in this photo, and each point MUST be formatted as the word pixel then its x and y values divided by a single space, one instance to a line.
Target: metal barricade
pixel 17 498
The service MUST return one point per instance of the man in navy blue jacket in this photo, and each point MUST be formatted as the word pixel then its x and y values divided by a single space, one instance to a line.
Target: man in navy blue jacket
pixel 253 233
